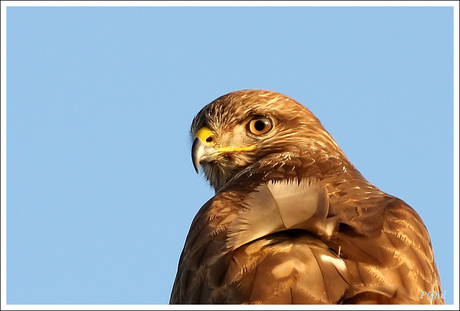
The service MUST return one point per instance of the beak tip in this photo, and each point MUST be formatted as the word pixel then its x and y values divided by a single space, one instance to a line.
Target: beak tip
pixel 197 152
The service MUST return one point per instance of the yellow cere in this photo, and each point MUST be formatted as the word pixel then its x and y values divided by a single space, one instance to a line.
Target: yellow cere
pixel 205 133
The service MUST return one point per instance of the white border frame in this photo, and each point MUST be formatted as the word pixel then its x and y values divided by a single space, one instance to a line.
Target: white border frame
pixel 5 4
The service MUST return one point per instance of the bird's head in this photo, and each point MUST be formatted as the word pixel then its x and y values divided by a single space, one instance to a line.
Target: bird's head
pixel 242 127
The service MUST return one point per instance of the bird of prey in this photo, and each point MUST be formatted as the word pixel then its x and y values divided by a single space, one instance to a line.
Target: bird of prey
pixel 292 221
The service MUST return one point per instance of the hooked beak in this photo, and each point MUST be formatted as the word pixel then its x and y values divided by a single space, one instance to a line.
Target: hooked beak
pixel 199 152
pixel 202 148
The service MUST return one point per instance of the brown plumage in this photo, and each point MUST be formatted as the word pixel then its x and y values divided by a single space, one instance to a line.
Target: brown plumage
pixel 293 221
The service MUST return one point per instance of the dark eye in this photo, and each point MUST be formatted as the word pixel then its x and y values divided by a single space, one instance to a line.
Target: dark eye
pixel 260 125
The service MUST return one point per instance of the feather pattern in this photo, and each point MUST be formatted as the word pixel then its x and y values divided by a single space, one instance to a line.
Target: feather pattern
pixel 294 222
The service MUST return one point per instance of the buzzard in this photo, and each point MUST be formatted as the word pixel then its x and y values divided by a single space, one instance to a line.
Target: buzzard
pixel 292 220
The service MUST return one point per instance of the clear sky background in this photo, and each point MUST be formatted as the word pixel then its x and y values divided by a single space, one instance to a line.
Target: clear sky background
pixel 101 189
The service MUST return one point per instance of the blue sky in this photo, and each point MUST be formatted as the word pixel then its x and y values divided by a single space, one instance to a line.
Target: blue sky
pixel 100 186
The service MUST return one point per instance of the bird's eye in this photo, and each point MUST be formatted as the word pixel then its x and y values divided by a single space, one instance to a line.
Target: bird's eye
pixel 260 125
